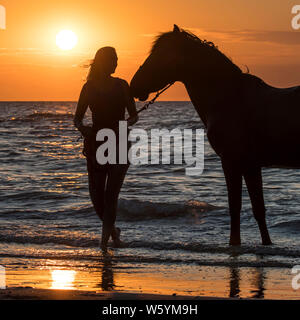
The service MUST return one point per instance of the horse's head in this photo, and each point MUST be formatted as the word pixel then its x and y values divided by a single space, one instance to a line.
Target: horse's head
pixel 180 55
pixel 160 68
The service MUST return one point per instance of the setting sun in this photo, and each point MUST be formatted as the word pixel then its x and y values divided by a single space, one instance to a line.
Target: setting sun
pixel 66 39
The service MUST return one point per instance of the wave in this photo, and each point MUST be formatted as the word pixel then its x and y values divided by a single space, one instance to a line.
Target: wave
pixel 38 116
pixel 44 239
pixel 128 210
pixel 147 210
pixel 38 195
pixel 142 259
pixel 218 249
pixel 230 257
pixel 78 240
pixel 293 225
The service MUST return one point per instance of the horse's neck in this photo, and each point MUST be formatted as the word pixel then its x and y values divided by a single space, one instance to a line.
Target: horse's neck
pixel 208 96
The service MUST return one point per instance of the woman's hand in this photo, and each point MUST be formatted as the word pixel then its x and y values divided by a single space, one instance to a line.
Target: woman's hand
pixel 132 120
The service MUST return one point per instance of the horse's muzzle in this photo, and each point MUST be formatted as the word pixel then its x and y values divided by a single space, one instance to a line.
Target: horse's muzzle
pixel 143 97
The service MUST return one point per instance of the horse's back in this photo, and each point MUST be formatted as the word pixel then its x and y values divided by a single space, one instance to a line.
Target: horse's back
pixel 275 123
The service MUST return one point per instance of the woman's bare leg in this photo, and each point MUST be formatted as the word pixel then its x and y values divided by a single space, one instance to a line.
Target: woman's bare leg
pixel 115 178
pixel 97 186
pixel 97 183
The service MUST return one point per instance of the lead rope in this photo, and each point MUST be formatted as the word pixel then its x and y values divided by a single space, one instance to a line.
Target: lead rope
pixel 147 105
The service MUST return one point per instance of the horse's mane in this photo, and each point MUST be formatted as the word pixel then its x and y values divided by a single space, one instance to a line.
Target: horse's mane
pixel 191 41
pixel 183 33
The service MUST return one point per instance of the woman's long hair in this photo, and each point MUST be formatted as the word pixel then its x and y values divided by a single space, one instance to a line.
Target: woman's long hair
pixel 102 63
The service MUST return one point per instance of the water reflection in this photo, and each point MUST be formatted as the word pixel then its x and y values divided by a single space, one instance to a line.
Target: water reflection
pixel 258 283
pixel 234 283
pixel 107 283
pixel 63 279
pixel 242 282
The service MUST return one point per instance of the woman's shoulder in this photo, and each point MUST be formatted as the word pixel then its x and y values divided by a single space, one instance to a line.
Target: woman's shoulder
pixel 121 82
pixel 90 86
pixel 84 89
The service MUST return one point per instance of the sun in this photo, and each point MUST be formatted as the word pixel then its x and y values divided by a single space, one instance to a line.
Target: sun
pixel 66 39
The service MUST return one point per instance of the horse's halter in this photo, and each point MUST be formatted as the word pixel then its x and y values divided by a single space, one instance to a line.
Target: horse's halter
pixel 158 93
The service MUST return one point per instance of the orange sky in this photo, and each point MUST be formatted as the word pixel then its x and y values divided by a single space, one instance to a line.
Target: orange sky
pixel 253 33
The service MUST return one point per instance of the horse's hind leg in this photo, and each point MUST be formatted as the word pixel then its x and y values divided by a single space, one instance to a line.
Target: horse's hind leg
pixel 233 178
pixel 254 184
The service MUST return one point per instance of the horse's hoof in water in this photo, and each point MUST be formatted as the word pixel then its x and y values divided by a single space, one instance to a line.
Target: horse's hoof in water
pixel 267 243
pixel 235 242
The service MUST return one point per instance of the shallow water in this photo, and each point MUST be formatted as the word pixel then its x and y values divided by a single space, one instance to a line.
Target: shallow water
pixel 166 217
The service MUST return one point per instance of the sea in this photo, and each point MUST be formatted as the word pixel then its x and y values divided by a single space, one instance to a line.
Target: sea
pixel 168 218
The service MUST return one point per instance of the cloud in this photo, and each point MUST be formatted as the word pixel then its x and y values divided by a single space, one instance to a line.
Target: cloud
pixel 266 36
pixel 39 52
pixel 16 51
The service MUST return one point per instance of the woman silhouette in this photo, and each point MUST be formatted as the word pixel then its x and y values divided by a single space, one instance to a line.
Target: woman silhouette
pixel 107 97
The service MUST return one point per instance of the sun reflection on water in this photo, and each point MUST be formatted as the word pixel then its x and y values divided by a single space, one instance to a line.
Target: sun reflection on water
pixel 63 279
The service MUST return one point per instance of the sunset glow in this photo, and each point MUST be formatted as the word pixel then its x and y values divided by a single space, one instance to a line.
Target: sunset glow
pixel 255 34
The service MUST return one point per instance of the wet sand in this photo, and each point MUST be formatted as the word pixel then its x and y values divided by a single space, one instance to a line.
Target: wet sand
pixel 51 294
pixel 147 281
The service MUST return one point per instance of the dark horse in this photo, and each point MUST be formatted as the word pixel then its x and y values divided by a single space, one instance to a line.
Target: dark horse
pixel 249 124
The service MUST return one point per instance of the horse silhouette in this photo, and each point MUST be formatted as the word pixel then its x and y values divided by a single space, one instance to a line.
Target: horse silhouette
pixel 249 123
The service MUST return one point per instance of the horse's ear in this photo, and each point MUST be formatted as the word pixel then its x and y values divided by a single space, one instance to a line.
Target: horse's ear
pixel 176 28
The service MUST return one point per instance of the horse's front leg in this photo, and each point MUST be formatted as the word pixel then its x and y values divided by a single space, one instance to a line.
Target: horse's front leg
pixel 254 184
pixel 233 178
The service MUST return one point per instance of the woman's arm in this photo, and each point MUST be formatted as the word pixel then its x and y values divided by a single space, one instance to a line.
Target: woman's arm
pixel 130 105
pixel 82 106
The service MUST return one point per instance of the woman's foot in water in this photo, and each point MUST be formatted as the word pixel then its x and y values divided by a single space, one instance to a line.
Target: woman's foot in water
pixel 117 243
pixel 106 232
pixel 115 234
